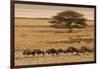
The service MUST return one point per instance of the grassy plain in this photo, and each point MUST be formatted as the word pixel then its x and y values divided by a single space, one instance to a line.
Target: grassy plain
pixel 37 33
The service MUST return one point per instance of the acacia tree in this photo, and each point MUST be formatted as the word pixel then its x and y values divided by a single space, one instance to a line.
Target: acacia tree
pixel 69 20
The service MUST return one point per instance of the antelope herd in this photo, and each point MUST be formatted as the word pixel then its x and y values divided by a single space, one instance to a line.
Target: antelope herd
pixel 57 52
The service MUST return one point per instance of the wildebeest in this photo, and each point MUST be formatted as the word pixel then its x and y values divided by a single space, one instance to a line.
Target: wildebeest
pixel 33 52
pixel 60 51
pixel 91 50
pixel 85 49
pixel 28 52
pixel 72 50
pixel 52 51
pixel 38 52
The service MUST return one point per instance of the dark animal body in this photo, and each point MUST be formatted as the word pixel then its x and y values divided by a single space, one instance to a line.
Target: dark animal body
pixel 72 50
pixel 28 52
pixel 85 49
pixel 33 52
pixel 38 52
pixel 58 52
pixel 52 51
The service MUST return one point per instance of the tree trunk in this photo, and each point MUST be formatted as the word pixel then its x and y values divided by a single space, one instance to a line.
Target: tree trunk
pixel 69 29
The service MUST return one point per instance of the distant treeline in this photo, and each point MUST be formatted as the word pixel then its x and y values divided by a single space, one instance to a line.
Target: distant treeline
pixel 30 18
pixel 38 18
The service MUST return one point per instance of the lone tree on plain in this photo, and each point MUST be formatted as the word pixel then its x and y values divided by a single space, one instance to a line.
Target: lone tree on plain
pixel 69 20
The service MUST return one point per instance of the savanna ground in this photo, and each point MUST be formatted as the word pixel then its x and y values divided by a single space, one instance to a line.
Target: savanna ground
pixel 37 34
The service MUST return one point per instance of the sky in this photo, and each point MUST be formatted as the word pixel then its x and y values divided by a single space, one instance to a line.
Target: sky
pixel 47 11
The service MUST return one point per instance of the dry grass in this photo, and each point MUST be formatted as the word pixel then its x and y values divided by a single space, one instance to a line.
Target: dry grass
pixel 37 33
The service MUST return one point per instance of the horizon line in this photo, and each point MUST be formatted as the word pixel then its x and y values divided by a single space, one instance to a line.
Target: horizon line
pixel 38 18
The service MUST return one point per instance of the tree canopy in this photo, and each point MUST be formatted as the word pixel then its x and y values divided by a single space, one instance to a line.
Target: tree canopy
pixel 69 20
